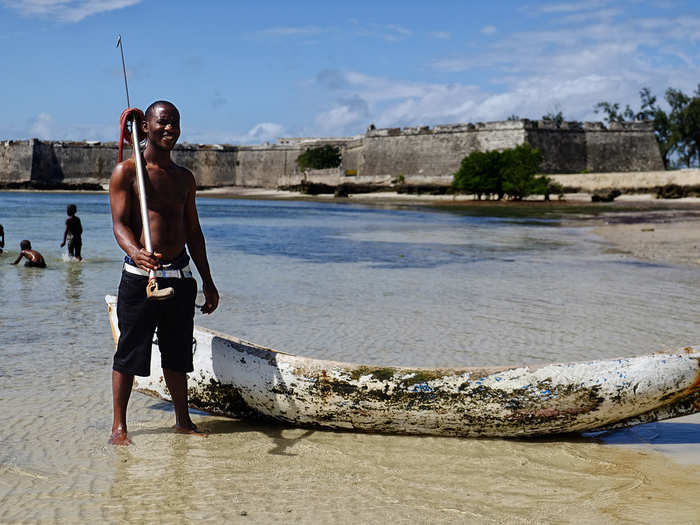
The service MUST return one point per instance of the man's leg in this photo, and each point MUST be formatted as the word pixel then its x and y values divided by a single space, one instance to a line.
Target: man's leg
pixel 121 390
pixel 177 385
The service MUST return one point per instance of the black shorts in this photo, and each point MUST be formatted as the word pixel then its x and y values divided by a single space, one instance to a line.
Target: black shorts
pixel 139 318
pixel 74 246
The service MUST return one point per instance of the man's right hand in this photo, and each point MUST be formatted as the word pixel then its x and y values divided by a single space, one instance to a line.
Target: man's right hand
pixel 146 260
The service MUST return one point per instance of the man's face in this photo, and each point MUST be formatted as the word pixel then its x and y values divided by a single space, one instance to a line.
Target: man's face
pixel 163 127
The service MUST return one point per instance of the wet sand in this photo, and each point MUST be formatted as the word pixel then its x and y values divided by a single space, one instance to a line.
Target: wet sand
pixel 665 242
pixel 245 473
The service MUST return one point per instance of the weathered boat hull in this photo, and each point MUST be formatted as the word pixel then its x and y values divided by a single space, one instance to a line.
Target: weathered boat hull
pixel 240 379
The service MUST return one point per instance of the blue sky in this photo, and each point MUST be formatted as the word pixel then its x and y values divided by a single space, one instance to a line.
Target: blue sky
pixel 248 72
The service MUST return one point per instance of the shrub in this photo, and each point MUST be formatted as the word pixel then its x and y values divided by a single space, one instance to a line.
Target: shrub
pixel 671 191
pixel 320 158
pixel 512 172
pixel 480 174
pixel 605 196
pixel 519 166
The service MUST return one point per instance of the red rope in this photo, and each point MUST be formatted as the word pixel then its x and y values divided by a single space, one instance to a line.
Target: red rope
pixel 128 115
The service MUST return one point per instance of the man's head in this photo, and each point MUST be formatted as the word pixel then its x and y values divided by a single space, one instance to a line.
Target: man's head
pixel 25 245
pixel 71 209
pixel 162 124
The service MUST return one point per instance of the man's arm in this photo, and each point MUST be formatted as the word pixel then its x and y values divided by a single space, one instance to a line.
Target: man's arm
pixel 122 202
pixel 198 250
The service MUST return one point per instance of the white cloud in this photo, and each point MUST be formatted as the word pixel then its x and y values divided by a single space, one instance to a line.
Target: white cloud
pixel 489 30
pixel 262 132
pixel 43 127
pixel 609 58
pixel 289 31
pixel 265 131
pixel 441 35
pixel 387 32
pixel 66 10
pixel 399 30
pixel 388 103
pixel 569 7
pixel 347 117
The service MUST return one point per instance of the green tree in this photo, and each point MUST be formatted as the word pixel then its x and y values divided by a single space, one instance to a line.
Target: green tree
pixel 512 172
pixel 613 113
pixel 320 157
pixel 555 118
pixel 662 125
pixel 519 166
pixel 691 131
pixel 668 127
pixel 648 107
pixel 480 174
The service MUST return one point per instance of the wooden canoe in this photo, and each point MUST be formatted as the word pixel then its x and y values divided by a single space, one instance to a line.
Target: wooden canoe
pixel 240 379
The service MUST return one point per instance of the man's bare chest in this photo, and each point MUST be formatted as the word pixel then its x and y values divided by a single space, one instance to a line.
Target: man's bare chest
pixel 166 193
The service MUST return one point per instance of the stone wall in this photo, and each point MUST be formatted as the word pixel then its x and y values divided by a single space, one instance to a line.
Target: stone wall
pixel 416 155
pixel 212 165
pixel 623 147
pixel 52 164
pixel 426 152
pixel 15 160
pixel 563 148
pixel 74 163
pixel 265 166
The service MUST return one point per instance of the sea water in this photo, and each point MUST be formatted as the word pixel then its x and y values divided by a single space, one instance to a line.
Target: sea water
pixel 365 284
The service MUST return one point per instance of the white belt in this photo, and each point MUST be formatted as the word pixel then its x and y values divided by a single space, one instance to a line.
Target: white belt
pixel 182 273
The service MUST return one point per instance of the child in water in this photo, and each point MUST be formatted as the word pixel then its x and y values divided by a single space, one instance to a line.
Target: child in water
pixel 34 258
pixel 2 238
pixel 74 233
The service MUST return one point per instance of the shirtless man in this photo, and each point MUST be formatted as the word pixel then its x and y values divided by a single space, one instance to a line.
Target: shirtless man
pixel 34 258
pixel 174 224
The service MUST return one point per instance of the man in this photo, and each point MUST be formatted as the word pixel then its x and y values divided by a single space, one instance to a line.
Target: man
pixel 174 224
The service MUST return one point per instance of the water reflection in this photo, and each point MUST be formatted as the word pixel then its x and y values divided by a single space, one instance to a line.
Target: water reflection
pixel 29 280
pixel 74 281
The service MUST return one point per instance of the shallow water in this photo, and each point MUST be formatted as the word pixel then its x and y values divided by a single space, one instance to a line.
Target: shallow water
pixel 347 282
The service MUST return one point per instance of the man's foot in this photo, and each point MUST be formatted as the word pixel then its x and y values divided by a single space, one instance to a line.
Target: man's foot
pixel 190 429
pixel 119 438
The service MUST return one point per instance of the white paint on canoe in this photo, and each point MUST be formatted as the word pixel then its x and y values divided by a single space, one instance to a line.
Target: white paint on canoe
pixel 240 379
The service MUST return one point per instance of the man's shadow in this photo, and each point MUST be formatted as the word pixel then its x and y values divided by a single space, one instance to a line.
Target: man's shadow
pixel 236 426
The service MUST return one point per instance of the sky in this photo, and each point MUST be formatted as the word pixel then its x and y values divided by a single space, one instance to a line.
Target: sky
pixel 249 72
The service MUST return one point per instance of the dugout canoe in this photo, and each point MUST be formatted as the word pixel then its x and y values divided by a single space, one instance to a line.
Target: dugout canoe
pixel 240 379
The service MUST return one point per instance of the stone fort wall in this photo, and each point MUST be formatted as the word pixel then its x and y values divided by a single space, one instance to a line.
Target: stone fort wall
pixel 416 155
